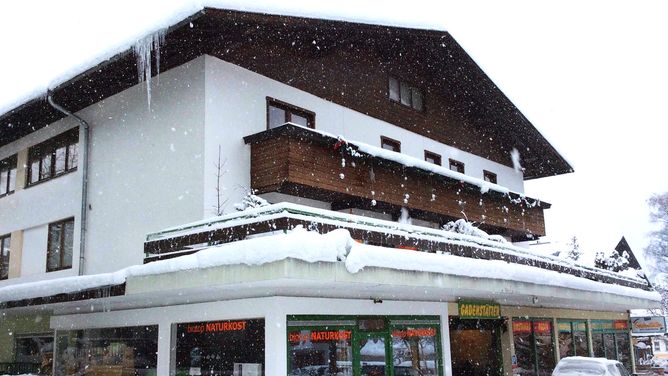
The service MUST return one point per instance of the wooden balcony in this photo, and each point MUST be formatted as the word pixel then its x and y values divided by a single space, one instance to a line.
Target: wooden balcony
pixel 306 163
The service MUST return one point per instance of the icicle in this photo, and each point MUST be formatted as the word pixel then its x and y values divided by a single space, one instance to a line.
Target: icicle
pixel 143 49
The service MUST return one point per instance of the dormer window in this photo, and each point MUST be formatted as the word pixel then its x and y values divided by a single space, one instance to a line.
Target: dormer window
pixel 390 144
pixel 489 176
pixel 408 95
pixel 53 157
pixel 456 166
pixel 279 113
pixel 7 175
pixel 432 157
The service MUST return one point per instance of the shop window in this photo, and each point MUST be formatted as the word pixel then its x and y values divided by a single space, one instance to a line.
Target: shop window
pixel 369 345
pixel 36 352
pixel 325 350
pixel 390 144
pixel 573 338
pixel 7 175
pixel 406 94
pixel 233 347
pixel 657 346
pixel 54 157
pixel 5 244
pixel 489 176
pixel 610 339
pixel 456 166
pixel 476 346
pixel 432 157
pixel 60 245
pixel 534 346
pixel 108 351
pixel 279 113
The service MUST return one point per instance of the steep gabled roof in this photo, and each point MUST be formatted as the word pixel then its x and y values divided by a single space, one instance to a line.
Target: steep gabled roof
pixel 479 102
pixel 623 246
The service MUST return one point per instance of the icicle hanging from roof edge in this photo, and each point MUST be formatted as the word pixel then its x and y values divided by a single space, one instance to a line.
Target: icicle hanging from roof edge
pixel 143 49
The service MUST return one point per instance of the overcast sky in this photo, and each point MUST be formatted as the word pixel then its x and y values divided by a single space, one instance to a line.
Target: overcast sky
pixel 590 75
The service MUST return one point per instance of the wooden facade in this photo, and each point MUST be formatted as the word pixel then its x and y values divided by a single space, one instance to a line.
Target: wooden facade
pixel 298 162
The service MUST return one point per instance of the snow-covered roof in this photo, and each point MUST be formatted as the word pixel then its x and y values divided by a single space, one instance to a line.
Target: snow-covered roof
pixel 313 247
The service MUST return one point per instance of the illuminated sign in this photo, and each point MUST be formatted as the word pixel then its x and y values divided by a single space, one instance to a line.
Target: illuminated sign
pixel 521 326
pixel 216 326
pixel 320 336
pixel 542 327
pixel 418 332
pixel 621 325
pixel 647 325
pixel 479 310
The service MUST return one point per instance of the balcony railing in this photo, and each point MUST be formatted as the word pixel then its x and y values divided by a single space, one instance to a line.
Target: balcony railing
pixel 298 161
pixel 195 236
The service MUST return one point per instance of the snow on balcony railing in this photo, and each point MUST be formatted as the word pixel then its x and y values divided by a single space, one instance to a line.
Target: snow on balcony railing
pixel 344 220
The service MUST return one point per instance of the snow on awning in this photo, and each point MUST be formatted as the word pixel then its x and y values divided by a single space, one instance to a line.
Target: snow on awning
pixel 312 247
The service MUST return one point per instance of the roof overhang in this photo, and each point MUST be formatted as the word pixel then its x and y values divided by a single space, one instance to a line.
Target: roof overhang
pixel 452 69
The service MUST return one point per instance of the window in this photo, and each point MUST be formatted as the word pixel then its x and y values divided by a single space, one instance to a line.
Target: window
pixel 7 175
pixel 456 166
pixel 390 144
pixel 534 346
pixel 610 340
pixel 489 176
pixel 5 243
pixel 54 157
pixel 402 92
pixel 573 338
pixel 220 348
pixel 279 113
pixel 657 346
pixel 107 351
pixel 432 157
pixel 60 244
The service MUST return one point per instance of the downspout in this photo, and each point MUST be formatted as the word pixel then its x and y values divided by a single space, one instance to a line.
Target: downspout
pixel 84 180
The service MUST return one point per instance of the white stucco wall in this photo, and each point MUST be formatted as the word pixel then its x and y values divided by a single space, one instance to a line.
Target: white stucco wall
pixel 236 107
pixel 145 166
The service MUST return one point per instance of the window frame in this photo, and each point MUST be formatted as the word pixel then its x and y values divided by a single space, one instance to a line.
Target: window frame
pixel 489 175
pixel 61 254
pixel 3 239
pixel 435 156
pixel 412 90
pixel 390 141
pixel 8 165
pixel 36 154
pixel 289 110
pixel 457 164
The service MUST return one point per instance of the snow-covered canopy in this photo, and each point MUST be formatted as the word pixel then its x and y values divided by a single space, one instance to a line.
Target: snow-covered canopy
pixel 333 247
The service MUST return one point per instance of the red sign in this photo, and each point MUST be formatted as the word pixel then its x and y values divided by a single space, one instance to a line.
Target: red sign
pixel 542 327
pixel 621 325
pixel 521 326
pixel 216 326
pixel 320 336
pixel 422 332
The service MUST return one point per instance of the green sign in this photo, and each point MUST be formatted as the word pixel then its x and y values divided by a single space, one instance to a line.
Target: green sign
pixel 470 310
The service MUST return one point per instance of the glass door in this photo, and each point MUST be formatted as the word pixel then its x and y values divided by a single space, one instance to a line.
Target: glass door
pixel 371 350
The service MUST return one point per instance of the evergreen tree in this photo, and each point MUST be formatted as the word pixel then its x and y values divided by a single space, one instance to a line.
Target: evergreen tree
pixel 574 251
pixel 657 248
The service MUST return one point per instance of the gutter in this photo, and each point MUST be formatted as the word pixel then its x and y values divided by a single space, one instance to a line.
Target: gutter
pixel 84 180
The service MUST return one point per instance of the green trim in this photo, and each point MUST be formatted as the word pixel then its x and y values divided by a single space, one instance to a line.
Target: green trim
pixel 391 323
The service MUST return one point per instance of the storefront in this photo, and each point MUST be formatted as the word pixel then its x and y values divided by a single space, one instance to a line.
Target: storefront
pixel 372 346
pixel 534 347
pixel 610 339
pixel 475 339
pixel 573 338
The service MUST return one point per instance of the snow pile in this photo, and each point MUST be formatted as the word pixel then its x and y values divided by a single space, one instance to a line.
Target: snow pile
pixel 251 201
pixel 311 246
pixel 462 226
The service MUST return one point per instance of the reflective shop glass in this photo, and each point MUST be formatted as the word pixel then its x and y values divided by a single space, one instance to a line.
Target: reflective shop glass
pixel 534 347
pixel 320 351
pixel 415 351
pixel 229 347
pixel 109 351
pixel 573 338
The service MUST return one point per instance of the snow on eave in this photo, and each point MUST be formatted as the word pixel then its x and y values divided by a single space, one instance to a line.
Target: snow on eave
pixel 358 13
pixel 338 219
pixel 312 247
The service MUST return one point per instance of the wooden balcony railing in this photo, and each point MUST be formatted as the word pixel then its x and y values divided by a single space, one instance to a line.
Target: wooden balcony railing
pixel 306 163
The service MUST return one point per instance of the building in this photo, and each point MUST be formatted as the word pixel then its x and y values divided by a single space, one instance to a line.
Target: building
pixel 123 252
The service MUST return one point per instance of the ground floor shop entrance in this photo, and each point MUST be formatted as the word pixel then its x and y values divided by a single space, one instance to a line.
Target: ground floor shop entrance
pixel 475 347
pixel 364 346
